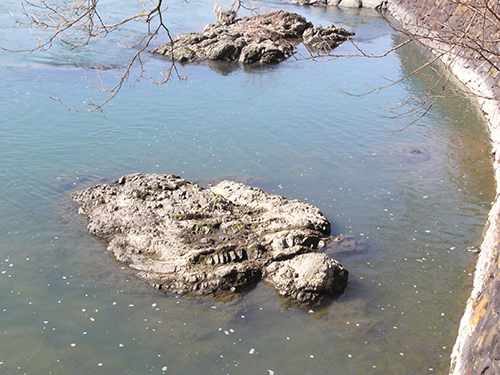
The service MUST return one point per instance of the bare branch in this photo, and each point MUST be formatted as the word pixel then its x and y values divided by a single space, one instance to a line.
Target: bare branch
pixel 77 23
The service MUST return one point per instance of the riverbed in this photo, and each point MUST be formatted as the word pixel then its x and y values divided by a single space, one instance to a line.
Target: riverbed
pixel 415 200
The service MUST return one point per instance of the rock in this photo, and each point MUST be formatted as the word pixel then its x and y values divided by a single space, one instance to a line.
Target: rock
pixel 349 3
pixel 307 277
pixel 267 38
pixel 225 17
pixel 186 239
pixel 346 244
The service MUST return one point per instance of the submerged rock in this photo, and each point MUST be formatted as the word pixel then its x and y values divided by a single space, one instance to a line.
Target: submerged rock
pixel 324 39
pixel 186 239
pixel 266 38
pixel 346 244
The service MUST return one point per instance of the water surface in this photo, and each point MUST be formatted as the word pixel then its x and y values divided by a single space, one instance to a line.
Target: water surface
pixel 417 198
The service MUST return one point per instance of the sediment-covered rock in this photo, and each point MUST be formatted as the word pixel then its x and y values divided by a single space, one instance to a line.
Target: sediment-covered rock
pixel 266 38
pixel 186 239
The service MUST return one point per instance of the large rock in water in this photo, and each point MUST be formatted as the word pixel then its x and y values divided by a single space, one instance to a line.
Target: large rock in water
pixel 186 239
pixel 266 38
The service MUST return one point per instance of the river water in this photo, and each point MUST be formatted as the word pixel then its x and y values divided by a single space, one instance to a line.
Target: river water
pixel 414 199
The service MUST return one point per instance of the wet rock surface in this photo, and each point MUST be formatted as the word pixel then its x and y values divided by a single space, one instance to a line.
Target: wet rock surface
pixel 347 244
pixel 266 38
pixel 217 241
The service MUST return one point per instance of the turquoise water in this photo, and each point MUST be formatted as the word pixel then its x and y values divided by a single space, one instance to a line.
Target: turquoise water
pixel 67 307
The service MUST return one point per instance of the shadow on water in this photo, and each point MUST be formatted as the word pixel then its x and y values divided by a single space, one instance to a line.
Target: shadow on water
pixel 224 68
pixel 228 68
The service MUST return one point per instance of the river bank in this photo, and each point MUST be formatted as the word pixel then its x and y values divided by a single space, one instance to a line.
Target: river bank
pixel 476 348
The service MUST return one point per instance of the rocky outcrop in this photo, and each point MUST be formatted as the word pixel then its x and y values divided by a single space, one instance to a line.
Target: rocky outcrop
pixel 324 39
pixel 465 36
pixel 186 239
pixel 266 38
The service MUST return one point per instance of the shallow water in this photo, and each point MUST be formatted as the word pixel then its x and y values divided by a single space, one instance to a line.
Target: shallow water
pixel 416 199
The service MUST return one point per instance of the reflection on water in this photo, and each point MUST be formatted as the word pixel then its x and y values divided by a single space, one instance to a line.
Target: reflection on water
pixel 411 201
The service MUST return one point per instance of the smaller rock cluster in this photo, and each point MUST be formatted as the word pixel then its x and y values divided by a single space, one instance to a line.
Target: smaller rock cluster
pixel 266 38
pixel 188 240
